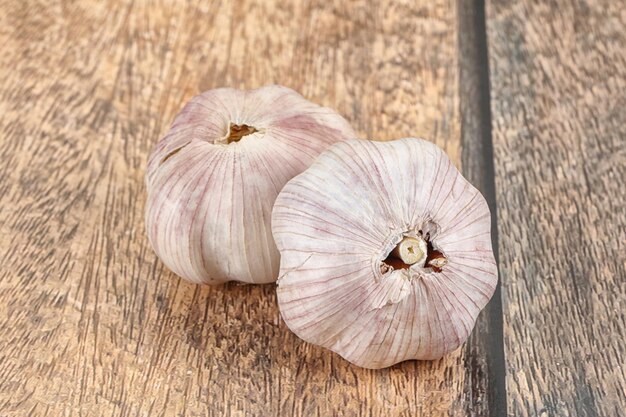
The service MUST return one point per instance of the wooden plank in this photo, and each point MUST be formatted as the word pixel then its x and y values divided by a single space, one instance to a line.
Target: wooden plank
pixel 90 322
pixel 486 351
pixel 558 76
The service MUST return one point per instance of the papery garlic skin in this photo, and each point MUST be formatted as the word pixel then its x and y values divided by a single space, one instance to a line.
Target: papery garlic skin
pixel 213 178
pixel 336 225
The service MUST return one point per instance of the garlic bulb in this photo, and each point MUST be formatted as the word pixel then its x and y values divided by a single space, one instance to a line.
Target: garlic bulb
pixel 213 178
pixel 385 252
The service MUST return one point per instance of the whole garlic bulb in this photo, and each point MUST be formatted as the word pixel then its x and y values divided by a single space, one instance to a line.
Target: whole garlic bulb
pixel 385 252
pixel 213 178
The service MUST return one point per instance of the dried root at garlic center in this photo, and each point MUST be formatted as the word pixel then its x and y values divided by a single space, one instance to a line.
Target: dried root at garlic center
pixel 415 251
pixel 239 131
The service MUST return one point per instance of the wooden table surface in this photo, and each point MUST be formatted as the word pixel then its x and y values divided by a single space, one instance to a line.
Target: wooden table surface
pixel 528 98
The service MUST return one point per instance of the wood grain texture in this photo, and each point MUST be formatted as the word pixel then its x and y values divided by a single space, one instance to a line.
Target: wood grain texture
pixel 558 76
pixel 91 323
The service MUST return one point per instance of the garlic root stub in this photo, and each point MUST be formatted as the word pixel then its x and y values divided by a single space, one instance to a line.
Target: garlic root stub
pixel 214 177
pixel 352 231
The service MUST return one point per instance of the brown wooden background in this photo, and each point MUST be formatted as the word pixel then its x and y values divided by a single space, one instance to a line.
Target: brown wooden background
pixel 92 324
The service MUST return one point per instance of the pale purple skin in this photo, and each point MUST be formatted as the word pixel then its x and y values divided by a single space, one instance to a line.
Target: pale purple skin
pixel 338 221
pixel 209 202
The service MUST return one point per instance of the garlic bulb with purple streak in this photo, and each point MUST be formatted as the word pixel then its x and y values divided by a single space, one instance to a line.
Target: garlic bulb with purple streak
pixel 385 252
pixel 213 178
